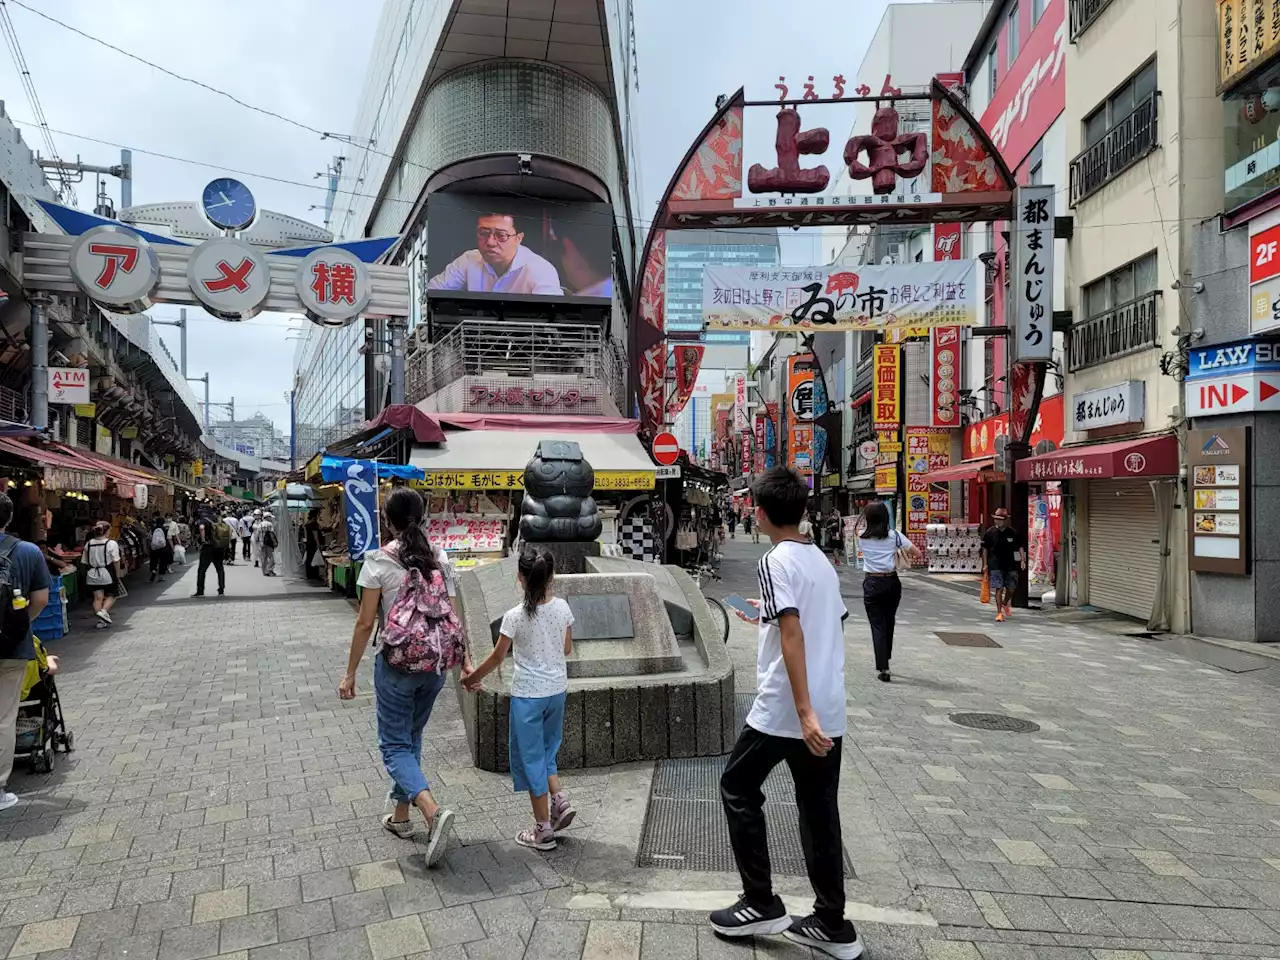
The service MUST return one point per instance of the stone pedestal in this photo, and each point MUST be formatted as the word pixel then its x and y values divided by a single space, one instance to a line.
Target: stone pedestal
pixel 571 557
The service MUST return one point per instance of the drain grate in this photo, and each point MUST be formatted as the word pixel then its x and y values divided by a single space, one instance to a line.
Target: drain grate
pixel 967 640
pixel 994 721
pixel 685 827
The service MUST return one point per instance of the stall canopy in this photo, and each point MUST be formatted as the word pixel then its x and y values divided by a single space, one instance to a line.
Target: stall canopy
pixel 974 470
pixel 495 459
pixel 1157 456
pixel 335 469
pixel 63 470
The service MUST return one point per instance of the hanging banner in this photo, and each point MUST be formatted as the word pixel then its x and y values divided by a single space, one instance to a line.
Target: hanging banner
pixel 944 376
pixel 748 454
pixel 771 434
pixel 887 388
pixel 881 297
pixel 688 360
pixel 1031 282
pixel 759 445
pixel 360 498
pixel 740 402
pixel 928 449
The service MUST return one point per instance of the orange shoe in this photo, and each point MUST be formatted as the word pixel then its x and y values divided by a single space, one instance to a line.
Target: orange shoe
pixel 1000 617
pixel 1008 610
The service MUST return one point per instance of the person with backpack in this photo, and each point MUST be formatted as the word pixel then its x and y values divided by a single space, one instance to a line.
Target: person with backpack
pixel 161 552
pixel 264 535
pixel 24 593
pixel 406 586
pixel 102 558
pixel 248 526
pixel 227 534
pixel 540 632
pixel 212 550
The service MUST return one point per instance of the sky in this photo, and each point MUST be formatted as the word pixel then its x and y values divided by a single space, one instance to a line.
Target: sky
pixel 305 60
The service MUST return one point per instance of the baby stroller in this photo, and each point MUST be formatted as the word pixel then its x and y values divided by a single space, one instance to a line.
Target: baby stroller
pixel 41 729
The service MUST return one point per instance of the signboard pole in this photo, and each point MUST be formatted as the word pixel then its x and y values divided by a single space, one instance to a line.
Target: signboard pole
pixel 39 362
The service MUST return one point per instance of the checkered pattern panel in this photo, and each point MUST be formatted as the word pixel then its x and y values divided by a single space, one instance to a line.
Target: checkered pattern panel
pixel 637 537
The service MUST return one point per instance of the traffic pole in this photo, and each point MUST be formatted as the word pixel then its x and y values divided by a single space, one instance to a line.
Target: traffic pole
pixel 39 362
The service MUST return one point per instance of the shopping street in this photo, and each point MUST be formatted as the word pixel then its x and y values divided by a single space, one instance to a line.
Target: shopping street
pixel 221 801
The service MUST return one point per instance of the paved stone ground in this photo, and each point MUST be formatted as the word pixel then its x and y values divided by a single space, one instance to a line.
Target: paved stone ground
pixel 223 802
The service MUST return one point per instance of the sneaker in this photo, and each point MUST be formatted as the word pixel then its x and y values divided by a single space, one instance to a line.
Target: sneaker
pixel 401 828
pixel 745 919
pixel 843 943
pixel 103 616
pixel 8 799
pixel 1000 616
pixel 537 837
pixel 562 813
pixel 883 676
pixel 441 827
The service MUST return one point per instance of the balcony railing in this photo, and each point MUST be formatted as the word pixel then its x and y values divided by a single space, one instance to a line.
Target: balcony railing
pixel 1131 139
pixel 1129 328
pixel 1083 13
pixel 488 348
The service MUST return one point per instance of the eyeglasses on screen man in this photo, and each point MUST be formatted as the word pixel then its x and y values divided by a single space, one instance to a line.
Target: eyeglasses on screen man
pixel 502 236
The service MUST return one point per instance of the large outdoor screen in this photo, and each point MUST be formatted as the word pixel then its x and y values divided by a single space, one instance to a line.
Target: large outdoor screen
pixel 501 246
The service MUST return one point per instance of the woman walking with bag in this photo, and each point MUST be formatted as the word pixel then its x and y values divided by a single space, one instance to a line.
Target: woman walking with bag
pixel 102 557
pixel 405 583
pixel 881 588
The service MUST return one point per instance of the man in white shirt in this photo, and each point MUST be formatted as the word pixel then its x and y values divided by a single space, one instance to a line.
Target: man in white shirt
pixel 798 718
pixel 499 264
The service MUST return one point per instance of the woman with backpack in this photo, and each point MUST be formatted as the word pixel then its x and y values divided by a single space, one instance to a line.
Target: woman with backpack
pixel 102 557
pixel 161 551
pixel 405 582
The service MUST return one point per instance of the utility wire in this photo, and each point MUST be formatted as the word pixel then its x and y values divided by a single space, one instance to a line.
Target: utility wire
pixel 33 98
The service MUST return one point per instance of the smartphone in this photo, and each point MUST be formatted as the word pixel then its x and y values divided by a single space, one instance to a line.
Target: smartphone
pixel 744 609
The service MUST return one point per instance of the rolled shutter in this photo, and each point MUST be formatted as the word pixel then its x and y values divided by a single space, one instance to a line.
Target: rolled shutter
pixel 1124 548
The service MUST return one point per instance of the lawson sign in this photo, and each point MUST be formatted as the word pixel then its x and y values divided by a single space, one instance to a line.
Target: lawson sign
pixel 1228 359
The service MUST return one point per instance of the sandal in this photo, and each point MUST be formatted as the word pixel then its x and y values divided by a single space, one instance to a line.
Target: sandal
pixel 536 839
pixel 562 815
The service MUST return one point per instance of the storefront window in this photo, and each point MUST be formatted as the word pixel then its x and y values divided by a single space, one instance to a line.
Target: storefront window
pixel 1251 138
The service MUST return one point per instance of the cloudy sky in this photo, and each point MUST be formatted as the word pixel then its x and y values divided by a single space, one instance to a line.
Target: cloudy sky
pixel 305 60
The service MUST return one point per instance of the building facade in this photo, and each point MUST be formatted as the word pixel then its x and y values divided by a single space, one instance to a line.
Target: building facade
pixel 1143 129
pixel 1227 356
pixel 473 111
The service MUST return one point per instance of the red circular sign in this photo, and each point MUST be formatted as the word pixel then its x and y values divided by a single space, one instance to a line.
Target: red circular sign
pixel 666 449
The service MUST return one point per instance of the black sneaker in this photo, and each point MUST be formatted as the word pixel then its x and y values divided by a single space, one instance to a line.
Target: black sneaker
pixel 843 942
pixel 745 919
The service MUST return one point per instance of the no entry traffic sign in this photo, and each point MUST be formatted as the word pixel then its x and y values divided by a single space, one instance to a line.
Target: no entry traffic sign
pixel 666 449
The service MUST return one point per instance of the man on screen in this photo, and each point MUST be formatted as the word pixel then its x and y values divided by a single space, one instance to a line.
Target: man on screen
pixel 499 264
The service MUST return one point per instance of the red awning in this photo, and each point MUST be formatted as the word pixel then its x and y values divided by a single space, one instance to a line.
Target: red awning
pixel 402 416
pixel 116 470
pixel 973 470
pixel 46 455
pixel 1125 459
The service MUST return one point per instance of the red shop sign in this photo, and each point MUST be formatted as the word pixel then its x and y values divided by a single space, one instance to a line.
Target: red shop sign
pixel 980 437
pixel 1034 91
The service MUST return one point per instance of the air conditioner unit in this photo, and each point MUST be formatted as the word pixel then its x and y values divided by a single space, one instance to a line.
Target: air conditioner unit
pixel 894 253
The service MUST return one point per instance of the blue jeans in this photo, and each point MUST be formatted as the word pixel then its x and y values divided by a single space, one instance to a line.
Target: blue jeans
pixel 404 702
pixel 536 727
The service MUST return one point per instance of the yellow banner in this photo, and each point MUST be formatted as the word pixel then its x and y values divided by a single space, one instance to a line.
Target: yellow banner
pixel 86 410
pixel 890 446
pixel 1248 35
pixel 514 480
pixel 886 389
pixel 887 479
pixel 197 468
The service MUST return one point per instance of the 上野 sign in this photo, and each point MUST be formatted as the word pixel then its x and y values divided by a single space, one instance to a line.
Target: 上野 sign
pixel 881 297
pixel 514 480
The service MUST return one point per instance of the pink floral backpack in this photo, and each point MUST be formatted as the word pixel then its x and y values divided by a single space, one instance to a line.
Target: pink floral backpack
pixel 422 632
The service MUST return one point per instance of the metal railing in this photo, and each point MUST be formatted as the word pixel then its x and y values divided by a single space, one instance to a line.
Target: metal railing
pixel 13 405
pixel 1128 141
pixel 1129 328
pixel 1083 13
pixel 511 348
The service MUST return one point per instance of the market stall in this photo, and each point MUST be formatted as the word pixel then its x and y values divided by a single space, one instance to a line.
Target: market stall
pixel 696 502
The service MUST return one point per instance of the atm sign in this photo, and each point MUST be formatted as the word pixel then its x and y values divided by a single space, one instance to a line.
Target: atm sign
pixel 1264 261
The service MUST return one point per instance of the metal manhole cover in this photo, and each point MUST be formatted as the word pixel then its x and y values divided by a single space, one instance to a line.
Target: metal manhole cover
pixel 994 721
pixel 967 640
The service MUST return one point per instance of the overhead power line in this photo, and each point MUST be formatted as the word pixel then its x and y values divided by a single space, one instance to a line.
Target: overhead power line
pixel 67 191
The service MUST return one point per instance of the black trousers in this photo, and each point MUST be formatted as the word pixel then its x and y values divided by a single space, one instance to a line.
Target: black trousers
pixel 881 596
pixel 246 547
pixel 208 555
pixel 816 780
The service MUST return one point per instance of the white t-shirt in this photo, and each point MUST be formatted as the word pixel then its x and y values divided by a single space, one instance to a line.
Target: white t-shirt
pixel 171 530
pixel 99 555
pixel 537 645
pixel 881 556
pixel 380 569
pixel 798 578
pixel 528 273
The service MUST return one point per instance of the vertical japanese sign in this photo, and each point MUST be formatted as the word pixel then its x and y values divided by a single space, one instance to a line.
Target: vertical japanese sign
pixel 887 396
pixel 800 412
pixel 772 431
pixel 748 460
pixel 927 449
pixel 760 445
pixel 1031 285
pixel 360 497
pixel 944 376
pixel 740 403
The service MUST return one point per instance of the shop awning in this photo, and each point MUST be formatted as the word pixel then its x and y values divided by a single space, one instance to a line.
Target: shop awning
pixel 335 468
pixel 973 470
pixel 63 471
pixel 495 459
pixel 1126 459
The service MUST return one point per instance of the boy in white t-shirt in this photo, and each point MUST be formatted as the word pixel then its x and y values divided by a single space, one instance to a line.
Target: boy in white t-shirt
pixel 798 718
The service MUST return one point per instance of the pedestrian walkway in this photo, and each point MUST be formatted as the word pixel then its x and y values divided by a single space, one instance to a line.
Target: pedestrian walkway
pixel 223 802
